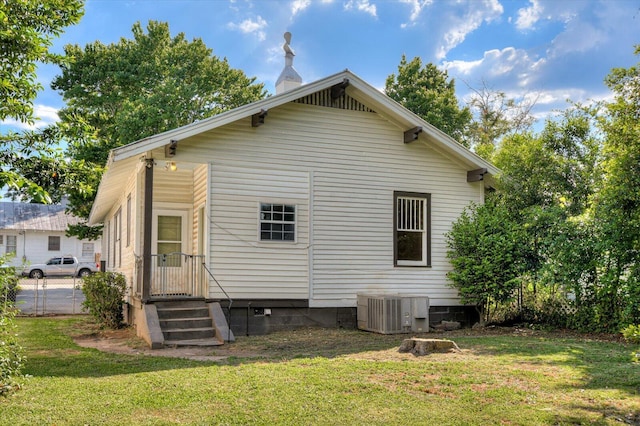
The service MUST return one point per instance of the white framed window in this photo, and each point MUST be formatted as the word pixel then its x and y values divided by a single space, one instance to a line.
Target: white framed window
pixel 87 250
pixel 54 243
pixel 412 218
pixel 277 222
pixel 1 240
pixel 12 244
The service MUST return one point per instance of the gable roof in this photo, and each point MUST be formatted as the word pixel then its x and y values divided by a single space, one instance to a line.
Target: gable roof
pixel 34 217
pixel 122 158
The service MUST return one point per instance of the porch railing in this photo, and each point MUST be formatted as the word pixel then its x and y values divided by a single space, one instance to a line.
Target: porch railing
pixel 174 275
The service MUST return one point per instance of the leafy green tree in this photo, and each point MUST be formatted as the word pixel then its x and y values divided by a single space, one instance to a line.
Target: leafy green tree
pixel 27 29
pixel 486 252
pixel 617 211
pixel 119 93
pixel 429 93
pixel 496 116
pixel 146 85
pixel 548 185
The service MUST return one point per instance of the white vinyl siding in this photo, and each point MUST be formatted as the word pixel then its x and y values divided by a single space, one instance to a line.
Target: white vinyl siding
pixel 340 168
pixel 245 266
pixel 199 204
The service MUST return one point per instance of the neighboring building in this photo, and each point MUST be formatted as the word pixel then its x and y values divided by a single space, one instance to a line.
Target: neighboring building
pixel 34 233
pixel 295 204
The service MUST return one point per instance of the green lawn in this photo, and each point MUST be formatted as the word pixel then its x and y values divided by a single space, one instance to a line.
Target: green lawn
pixel 326 377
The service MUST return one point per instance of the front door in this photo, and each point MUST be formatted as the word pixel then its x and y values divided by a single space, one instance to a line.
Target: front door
pixel 170 264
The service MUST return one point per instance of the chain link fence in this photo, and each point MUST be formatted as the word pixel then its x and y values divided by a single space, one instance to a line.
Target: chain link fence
pixel 49 296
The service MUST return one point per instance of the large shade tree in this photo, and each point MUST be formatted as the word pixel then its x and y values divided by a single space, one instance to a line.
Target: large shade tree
pixel 617 211
pixel 145 85
pixel 429 92
pixel 495 116
pixel 122 92
pixel 27 31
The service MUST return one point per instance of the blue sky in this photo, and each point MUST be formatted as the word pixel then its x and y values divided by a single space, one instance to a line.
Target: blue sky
pixel 549 50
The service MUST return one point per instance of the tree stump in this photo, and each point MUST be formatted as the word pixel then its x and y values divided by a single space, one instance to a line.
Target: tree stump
pixel 421 347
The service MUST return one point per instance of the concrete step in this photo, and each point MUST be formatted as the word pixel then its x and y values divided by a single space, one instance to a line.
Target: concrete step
pixel 184 323
pixel 188 333
pixel 180 304
pixel 196 342
pixel 182 312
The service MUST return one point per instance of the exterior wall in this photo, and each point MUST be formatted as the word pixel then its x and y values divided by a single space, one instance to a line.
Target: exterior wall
pixel 246 267
pixel 340 168
pixel 123 258
pixel 200 176
pixel 33 247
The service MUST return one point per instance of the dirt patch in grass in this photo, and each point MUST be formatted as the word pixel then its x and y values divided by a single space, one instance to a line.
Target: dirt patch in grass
pixel 308 342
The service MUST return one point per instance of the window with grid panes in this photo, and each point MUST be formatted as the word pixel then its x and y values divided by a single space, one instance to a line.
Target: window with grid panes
pixel 412 217
pixel 277 222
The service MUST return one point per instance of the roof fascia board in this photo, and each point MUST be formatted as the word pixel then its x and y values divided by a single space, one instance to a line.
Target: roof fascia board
pixel 408 118
pixel 227 117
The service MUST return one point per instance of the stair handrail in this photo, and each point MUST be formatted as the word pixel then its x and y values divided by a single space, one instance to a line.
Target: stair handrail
pixel 204 265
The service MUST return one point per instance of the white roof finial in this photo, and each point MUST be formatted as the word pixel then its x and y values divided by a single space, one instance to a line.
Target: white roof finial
pixel 289 77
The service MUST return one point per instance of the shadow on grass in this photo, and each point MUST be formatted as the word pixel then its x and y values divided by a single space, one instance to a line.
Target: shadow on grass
pixel 51 352
pixel 604 364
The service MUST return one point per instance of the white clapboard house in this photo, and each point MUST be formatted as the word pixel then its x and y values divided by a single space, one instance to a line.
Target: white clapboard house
pixel 287 209
pixel 34 233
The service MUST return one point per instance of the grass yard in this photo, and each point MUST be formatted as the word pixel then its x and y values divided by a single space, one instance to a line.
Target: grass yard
pixel 328 377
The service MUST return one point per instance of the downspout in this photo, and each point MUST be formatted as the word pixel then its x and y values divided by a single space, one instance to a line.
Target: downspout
pixel 147 230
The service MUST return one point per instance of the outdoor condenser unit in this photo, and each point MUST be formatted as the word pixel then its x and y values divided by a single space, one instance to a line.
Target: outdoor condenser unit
pixel 389 313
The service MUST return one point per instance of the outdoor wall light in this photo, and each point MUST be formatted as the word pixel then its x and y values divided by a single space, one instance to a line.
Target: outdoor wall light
pixel 171 166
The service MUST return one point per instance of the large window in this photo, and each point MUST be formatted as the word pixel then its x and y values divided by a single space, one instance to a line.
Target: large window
pixel 12 244
pixel 412 218
pixel 54 243
pixel 277 222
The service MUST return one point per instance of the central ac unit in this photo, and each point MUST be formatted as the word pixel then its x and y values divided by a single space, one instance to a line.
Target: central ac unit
pixel 390 314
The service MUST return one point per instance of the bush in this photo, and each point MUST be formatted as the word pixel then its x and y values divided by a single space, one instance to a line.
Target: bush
pixel 632 333
pixel 104 294
pixel 11 353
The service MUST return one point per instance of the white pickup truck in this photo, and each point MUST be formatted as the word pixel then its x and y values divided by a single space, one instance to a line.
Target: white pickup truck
pixel 63 266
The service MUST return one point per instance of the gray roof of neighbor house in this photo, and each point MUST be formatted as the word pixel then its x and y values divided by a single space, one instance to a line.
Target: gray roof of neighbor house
pixel 34 217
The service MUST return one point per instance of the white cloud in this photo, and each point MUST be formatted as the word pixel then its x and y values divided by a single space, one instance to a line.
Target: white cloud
pixel 362 6
pixel 509 63
pixel 528 17
pixel 416 9
pixel 44 116
pixel 459 25
pixel 299 6
pixel 251 27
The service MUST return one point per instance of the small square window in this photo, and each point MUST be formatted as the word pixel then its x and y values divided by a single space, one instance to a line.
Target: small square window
pixel 54 243
pixel 277 222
